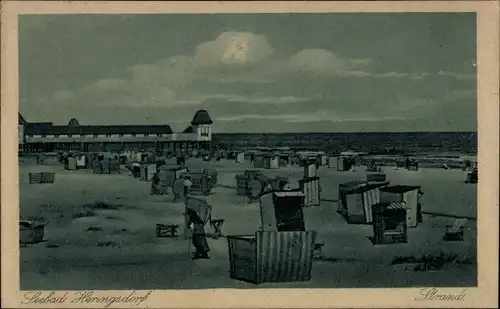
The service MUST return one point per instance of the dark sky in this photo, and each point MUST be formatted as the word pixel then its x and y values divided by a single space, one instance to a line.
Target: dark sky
pixel 253 72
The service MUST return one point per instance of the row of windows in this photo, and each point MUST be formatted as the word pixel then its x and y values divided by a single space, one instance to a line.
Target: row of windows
pixel 97 135
pixel 204 131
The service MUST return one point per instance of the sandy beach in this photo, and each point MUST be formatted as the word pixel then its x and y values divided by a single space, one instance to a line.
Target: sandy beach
pixel 111 242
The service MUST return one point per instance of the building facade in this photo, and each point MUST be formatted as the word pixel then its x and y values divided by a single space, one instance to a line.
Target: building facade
pixel 46 137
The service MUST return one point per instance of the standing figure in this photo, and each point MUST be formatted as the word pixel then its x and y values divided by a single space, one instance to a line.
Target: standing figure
pixel 199 237
pixel 66 162
pixel 155 181
pixel 407 163
pixel 187 184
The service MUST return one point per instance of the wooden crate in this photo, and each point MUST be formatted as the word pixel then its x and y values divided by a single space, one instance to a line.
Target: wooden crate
pixel 271 256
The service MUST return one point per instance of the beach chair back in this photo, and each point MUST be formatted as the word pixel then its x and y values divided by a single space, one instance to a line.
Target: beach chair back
pixel 458 225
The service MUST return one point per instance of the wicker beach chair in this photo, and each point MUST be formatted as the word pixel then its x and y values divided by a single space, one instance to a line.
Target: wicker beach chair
pixel 455 231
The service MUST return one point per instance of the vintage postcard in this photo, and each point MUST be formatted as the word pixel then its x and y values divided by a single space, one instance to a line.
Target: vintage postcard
pixel 249 154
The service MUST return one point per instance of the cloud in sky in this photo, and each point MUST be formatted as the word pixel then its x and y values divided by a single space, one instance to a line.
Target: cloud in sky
pixel 63 95
pixel 324 61
pixel 233 48
pixel 262 70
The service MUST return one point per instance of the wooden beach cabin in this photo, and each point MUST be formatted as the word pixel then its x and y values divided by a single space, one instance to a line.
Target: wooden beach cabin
pixel 71 163
pixel 322 159
pixel 271 256
pixel 169 173
pixel 285 159
pixel 310 168
pixel 408 194
pixel 147 172
pixel 340 163
pixel 332 162
pixel 471 176
pixel 343 189
pixel 389 223
pixel 240 157
pixel 259 160
pixel 311 188
pixel 359 202
pixel 271 161
pixel 81 161
pixel 282 211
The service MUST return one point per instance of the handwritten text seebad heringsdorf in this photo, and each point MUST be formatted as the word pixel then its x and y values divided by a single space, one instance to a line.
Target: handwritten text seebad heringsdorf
pixel 85 297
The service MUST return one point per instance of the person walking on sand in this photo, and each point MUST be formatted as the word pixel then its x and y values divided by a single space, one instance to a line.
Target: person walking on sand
pixel 199 237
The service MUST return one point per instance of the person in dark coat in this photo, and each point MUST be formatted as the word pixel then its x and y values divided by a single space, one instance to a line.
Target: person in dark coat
pixel 155 181
pixel 199 237
pixel 407 163
pixel 419 207
pixel 187 185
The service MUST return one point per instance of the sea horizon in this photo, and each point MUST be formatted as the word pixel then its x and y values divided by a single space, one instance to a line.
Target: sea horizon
pixel 374 142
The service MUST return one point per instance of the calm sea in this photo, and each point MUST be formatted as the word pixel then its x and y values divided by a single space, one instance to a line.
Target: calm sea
pixel 465 142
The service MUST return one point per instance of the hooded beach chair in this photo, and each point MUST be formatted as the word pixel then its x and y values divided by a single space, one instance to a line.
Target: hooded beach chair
pixel 455 231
